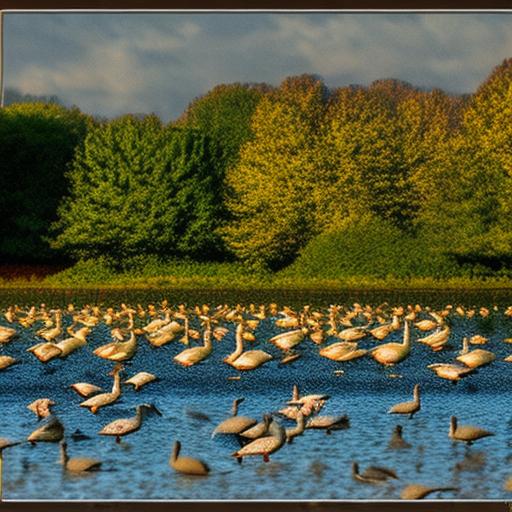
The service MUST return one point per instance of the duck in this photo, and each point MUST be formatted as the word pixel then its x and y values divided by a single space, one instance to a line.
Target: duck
pixel 41 407
pixel 103 399
pixel 124 426
pixel 437 340
pixel 450 371
pixel 140 379
pixel 234 424
pixel 372 474
pixel 249 360
pixel 392 353
pixel 397 442
pixel 288 340
pixel 187 465
pixel 194 355
pixel 77 464
pixel 52 431
pixel 466 433
pixel 85 389
pixel 265 445
pixel 419 491
pixel 383 331
pixel 328 423
pixel 410 408
pixel 474 358
pixel 342 351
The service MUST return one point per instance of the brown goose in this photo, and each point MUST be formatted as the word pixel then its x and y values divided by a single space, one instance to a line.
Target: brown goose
pixel 140 379
pixel 187 465
pixel 397 442
pixel 328 423
pixel 418 491
pixel 450 371
pixel 103 399
pixel 372 474
pixel 51 432
pixel 466 433
pixel 293 432
pixel 77 464
pixel 86 390
pixel 234 424
pixel 410 408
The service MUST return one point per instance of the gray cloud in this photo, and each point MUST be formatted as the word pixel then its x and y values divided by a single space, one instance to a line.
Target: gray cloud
pixel 110 64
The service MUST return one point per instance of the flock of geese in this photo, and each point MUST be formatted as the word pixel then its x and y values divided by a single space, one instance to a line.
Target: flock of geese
pixel 200 326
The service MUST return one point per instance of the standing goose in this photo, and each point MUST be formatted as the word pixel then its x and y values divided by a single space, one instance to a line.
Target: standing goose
pixel 474 358
pixel 194 355
pixel 234 424
pixel 103 399
pixel 410 408
pixel 249 360
pixel 187 465
pixel 397 442
pixel 266 445
pixel 372 474
pixel 77 464
pixel 125 426
pixel 418 491
pixel 392 353
pixel 466 433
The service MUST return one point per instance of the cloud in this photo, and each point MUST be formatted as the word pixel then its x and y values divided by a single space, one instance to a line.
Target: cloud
pixel 110 64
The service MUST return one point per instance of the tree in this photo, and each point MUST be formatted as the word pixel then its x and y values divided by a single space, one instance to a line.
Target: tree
pixel 270 192
pixel 37 144
pixel 138 187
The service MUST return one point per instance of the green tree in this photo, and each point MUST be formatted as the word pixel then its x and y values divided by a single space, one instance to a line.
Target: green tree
pixel 138 187
pixel 270 192
pixel 37 144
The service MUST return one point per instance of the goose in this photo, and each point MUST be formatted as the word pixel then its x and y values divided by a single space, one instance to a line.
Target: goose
pixel 392 353
pixel 10 314
pixel 309 404
pixel 289 357
pixel 477 339
pixel 187 465
pixel 383 331
pixel 426 325
pixel 328 423
pixel 317 335
pixel 6 334
pixel 450 371
pixel 419 491
pixel 372 474
pixel 293 432
pixel 397 442
pixel 258 430
pixel 507 359
pixel 118 350
pixel 52 432
pixel 103 399
pixel 288 340
pixel 157 323
pixel 49 334
pixel 45 351
pixel 76 464
pixel 437 340
pixel 167 333
pixel 342 351
pixel 29 319
pixel 41 407
pixel 6 361
pixel 194 355
pixel 140 379
pixel 410 408
pixel 234 424
pixel 86 390
pixel 248 360
pixel 474 358
pixel 124 426
pixel 466 433
pixel 76 340
pixel 353 333
pixel 265 445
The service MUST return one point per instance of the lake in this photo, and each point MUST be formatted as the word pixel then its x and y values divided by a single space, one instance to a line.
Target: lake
pixel 315 466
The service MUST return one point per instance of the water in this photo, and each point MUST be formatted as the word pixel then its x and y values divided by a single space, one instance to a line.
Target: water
pixel 315 466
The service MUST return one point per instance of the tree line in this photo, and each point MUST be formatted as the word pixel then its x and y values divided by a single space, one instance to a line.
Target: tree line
pixel 299 174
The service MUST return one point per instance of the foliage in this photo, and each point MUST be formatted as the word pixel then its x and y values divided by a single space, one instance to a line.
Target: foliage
pixel 37 143
pixel 140 188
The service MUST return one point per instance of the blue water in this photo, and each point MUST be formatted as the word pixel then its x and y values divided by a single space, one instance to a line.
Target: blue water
pixel 316 466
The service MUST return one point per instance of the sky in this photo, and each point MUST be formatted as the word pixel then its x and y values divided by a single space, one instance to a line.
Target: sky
pixel 112 64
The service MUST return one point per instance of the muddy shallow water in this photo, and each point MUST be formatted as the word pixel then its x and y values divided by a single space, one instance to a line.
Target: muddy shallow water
pixel 316 466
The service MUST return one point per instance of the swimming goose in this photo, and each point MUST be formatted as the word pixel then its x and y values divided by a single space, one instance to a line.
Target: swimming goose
pixel 288 340
pixel 248 360
pixel 474 358
pixel 258 430
pixel 76 464
pixel 86 390
pixel 187 465
pixel 157 323
pixel 234 424
pixel 6 361
pixel 124 426
pixel 450 371
pixel 140 379
pixel 466 433
pixel 353 333
pixel 392 353
pixel 49 334
pixel 397 442
pixel 410 408
pixel 477 339
pixel 342 351
pixel 293 432
pixel 51 432
pixel 103 399
pixel 6 334
pixel 437 340
pixel 418 491
pixel 194 355
pixel 372 474
pixel 383 331
pixel 118 350
pixel 328 423
pixel 166 334
pixel 10 314
pixel 41 407
pixel 265 445
pixel 309 404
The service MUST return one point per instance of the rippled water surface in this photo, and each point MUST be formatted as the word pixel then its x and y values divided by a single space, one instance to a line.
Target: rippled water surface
pixel 316 465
